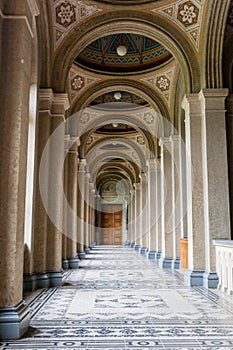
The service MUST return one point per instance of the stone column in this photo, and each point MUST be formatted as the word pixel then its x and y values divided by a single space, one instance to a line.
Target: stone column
pixel 17 21
pixel 87 214
pixel 55 191
pixel 166 202
pixel 81 207
pixel 229 127
pixel 144 214
pixel 158 213
pixel 132 218
pixel 216 187
pixel 98 219
pixel 92 216
pixel 138 232
pixel 176 198
pixel 207 182
pixel 152 193
pixel 195 196
pixel 65 261
pixel 40 220
pixel 72 158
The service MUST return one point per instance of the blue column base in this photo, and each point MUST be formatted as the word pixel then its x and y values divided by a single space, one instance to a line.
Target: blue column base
pixel 132 244
pixel 93 244
pixel 143 251
pixel 14 321
pixel 151 255
pixel 194 277
pixel 87 250
pixel 42 280
pixel 55 278
pixel 81 255
pixel 126 243
pixel 176 263
pixel 158 255
pixel 137 247
pixel 165 263
pixel 73 263
pixel 65 264
pixel 29 282
pixel 210 279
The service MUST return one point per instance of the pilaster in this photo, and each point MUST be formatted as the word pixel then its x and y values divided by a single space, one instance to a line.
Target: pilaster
pixel 166 203
pixel 138 187
pixel 72 159
pixel 60 104
pixel 81 207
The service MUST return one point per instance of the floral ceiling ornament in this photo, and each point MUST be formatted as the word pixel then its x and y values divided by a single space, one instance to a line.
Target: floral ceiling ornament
pixel 78 81
pixel 149 118
pixel 163 82
pixel 187 15
pixel 140 140
pixel 68 13
pixel 65 14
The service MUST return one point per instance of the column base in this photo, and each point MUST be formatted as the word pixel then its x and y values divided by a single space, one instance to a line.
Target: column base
pixel 165 263
pixel 176 263
pixel 81 255
pixel 42 280
pixel 87 250
pixel 143 251
pixel 210 279
pixel 126 243
pixel 93 244
pixel 73 263
pixel 137 247
pixel 132 244
pixel 151 255
pixel 65 264
pixel 29 282
pixel 194 277
pixel 158 255
pixel 55 278
pixel 14 321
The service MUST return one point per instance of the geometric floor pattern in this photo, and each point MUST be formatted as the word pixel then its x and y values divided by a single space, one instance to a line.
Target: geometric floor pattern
pixel 118 299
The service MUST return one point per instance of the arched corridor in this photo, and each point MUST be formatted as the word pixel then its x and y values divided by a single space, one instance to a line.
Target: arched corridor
pixel 116 131
pixel 117 299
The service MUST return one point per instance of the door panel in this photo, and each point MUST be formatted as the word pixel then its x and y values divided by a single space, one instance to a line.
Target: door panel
pixel 111 222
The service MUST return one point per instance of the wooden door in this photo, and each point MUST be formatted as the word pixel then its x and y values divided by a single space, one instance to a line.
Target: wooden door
pixel 111 223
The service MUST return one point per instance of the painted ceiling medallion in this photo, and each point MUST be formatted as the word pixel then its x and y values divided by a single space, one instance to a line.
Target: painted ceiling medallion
pixel 122 97
pixel 126 2
pixel 67 14
pixel 123 53
pixel 187 15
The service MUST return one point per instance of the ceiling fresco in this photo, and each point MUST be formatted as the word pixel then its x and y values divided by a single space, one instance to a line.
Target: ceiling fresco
pixel 142 53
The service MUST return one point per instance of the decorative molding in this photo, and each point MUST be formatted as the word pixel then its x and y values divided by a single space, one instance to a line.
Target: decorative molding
pixel 78 81
pixel 187 15
pixel 66 14
pixel 163 82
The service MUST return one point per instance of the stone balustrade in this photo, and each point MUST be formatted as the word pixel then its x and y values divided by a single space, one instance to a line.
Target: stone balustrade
pixel 224 264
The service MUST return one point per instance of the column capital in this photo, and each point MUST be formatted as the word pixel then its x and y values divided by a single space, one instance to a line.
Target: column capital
pixel 60 103
pixel 165 142
pixel 82 165
pixel 143 177
pixel 45 99
pixel 137 186
pixel 191 103
pixel 214 99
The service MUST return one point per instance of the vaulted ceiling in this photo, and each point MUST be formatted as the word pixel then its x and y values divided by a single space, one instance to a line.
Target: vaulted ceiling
pixel 126 64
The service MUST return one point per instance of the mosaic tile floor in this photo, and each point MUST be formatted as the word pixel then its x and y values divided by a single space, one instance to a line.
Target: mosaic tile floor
pixel 118 299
